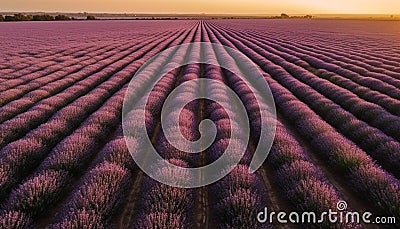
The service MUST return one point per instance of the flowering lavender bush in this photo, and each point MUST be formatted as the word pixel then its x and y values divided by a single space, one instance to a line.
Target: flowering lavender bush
pixel 80 219
pixel 15 219
pixel 33 195
pixel 64 160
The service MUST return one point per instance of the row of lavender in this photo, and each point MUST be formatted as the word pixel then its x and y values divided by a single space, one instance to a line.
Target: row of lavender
pixel 58 89
pixel 359 170
pixel 373 43
pixel 54 160
pixel 240 195
pixel 76 131
pixel 381 142
pixel 52 119
pixel 34 41
pixel 359 77
pixel 303 183
pixel 159 205
pixel 99 208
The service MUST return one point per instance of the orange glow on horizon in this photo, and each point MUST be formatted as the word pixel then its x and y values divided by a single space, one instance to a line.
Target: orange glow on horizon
pixel 209 6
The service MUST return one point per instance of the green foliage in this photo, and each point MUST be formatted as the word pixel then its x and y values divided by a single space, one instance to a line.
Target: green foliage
pixel 90 17
pixel 9 18
pixel 44 17
pixel 284 16
pixel 61 17
pixel 21 17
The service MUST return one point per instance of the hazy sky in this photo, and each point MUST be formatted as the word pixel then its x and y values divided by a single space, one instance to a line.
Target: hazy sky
pixel 208 6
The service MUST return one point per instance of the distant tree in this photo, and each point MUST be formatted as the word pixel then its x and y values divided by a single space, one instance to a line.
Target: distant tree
pixel 22 17
pixel 9 18
pixel 19 17
pixel 308 16
pixel 43 17
pixel 1 18
pixel 37 18
pixel 90 17
pixel 62 18
pixel 284 15
pixel 48 17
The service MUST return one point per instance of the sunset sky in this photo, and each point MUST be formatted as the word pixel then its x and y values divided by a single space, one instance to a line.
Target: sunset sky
pixel 208 6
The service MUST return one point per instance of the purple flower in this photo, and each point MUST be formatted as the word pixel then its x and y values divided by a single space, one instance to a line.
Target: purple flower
pixel 15 219
pixel 35 194
pixel 80 218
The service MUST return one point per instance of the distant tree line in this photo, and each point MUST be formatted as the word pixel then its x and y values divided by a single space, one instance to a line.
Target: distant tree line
pixel 60 17
pixel 285 16
pixel 90 17
pixel 41 17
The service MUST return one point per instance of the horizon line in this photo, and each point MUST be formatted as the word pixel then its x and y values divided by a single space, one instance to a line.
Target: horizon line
pixel 199 13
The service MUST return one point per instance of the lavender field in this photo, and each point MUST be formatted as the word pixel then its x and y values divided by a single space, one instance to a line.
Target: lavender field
pixel 64 162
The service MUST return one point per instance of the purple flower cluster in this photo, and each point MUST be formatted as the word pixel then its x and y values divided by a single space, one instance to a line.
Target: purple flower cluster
pixel 365 134
pixel 62 148
pixel 81 219
pixel 239 196
pixel 166 206
pixel 163 206
pixel 15 219
pixel 71 154
pixel 93 129
pixel 17 160
pixel 82 92
pixel 98 196
pixel 35 194
pixel 347 158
